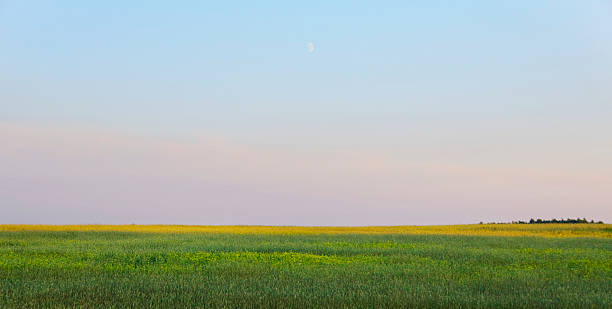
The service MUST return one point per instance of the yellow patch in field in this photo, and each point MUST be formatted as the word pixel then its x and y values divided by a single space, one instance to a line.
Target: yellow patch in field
pixel 542 230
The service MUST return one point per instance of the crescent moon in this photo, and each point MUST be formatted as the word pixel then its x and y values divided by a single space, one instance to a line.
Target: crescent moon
pixel 310 46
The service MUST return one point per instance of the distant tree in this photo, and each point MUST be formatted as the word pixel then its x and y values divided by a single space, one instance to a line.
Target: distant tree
pixel 554 220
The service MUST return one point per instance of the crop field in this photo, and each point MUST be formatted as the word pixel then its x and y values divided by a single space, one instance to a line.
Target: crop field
pixel 494 266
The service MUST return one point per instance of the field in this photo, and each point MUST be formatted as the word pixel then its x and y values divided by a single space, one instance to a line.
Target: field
pixel 540 265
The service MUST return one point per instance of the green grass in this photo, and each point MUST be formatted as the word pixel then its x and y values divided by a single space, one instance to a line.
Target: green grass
pixel 128 269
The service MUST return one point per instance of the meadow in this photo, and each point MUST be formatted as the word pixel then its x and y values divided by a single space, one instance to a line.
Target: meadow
pixel 486 266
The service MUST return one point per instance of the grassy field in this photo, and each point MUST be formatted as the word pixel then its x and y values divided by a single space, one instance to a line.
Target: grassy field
pixel 561 266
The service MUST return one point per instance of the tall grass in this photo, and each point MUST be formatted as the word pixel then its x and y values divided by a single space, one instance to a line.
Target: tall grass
pixel 246 268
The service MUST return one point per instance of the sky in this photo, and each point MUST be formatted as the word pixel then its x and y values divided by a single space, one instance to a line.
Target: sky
pixel 313 113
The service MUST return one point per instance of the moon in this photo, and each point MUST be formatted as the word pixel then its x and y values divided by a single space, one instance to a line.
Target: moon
pixel 310 47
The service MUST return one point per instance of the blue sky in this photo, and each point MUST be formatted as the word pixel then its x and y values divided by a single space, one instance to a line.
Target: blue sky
pixel 480 85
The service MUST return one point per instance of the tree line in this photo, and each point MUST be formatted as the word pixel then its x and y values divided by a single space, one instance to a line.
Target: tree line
pixel 541 221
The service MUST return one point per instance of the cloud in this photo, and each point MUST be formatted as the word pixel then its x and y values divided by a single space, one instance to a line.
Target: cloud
pixel 75 175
